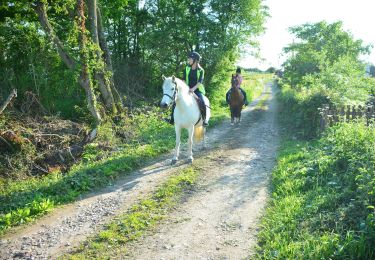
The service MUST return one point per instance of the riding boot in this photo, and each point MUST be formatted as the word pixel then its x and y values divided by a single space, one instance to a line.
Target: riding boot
pixel 227 95
pixel 202 106
pixel 244 97
pixel 205 123
pixel 204 114
pixel 171 119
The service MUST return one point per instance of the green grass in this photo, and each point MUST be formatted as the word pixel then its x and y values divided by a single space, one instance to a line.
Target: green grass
pixel 323 198
pixel 262 104
pixel 141 218
pixel 146 136
pixel 253 84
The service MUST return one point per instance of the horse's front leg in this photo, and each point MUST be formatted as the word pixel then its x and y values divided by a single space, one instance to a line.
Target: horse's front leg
pixel 231 116
pixel 190 144
pixel 178 141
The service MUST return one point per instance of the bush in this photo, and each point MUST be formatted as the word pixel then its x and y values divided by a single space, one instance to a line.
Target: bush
pixel 299 111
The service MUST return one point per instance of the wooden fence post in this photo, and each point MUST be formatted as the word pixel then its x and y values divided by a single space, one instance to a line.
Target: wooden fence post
pixel 348 113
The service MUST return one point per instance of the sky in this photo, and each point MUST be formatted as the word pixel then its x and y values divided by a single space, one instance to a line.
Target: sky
pixel 358 18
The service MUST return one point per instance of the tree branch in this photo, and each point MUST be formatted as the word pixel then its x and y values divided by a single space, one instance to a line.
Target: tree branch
pixel 12 95
pixel 40 9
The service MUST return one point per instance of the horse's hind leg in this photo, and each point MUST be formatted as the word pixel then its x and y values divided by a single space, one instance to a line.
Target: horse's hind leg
pixel 178 141
pixel 190 144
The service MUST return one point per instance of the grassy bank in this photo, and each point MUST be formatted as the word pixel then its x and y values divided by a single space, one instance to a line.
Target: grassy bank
pixel 146 137
pixel 323 197
pixel 22 201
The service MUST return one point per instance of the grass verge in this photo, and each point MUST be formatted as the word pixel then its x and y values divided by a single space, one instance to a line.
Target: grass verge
pixel 323 198
pixel 142 217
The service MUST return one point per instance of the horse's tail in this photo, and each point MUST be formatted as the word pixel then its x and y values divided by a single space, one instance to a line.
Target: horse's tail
pixel 198 133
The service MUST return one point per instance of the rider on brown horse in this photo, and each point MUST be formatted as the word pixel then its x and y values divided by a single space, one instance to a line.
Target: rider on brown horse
pixel 239 81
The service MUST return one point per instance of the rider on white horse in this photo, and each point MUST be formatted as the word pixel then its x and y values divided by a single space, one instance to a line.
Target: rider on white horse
pixel 193 77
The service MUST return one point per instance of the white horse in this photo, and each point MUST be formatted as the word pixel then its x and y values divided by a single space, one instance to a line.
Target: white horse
pixel 186 114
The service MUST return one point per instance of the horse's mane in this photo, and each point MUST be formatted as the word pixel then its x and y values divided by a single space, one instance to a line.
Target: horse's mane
pixel 181 84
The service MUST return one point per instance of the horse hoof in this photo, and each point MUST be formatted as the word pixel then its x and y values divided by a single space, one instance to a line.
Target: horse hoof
pixel 190 160
pixel 232 123
pixel 174 161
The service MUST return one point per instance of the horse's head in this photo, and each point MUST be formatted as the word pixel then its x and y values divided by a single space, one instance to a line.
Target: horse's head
pixel 234 81
pixel 169 91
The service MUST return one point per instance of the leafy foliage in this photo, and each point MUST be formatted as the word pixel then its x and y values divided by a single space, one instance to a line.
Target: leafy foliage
pixel 324 68
pixel 320 45
pixel 157 37
pixel 144 40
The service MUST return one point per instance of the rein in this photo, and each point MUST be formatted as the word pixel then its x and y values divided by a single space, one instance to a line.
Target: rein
pixel 172 98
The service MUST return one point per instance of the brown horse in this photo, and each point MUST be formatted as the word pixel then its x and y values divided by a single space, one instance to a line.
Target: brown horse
pixel 236 101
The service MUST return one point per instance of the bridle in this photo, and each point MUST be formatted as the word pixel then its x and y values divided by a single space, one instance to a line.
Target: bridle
pixel 234 82
pixel 173 98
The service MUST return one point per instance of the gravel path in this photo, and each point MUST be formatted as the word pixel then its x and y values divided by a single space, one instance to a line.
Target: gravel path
pixel 218 222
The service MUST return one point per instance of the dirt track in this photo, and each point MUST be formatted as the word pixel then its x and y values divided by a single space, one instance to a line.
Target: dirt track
pixel 219 221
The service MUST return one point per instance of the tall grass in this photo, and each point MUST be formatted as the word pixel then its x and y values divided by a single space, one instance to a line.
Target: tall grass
pixel 323 198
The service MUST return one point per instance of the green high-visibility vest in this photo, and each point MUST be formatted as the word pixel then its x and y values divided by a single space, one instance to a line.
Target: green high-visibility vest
pixel 201 87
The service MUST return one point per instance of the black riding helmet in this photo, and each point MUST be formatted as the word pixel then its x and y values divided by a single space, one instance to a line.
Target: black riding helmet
pixel 195 56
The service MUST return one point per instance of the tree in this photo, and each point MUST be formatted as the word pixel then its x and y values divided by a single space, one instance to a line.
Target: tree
pixel 319 45
pixel 271 70
pixel 84 78
pixel 128 44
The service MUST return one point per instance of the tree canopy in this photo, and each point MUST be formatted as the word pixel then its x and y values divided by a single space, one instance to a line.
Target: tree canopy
pixel 319 46
pixel 75 55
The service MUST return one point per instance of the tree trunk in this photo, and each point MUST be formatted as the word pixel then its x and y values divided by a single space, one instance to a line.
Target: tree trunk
pixel 100 71
pixel 40 9
pixel 84 79
pixel 108 61
pixel 103 41
pixel 85 76
pixel 93 20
